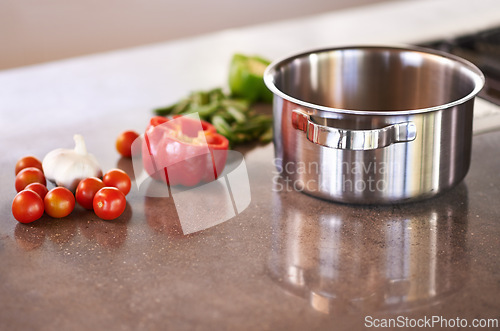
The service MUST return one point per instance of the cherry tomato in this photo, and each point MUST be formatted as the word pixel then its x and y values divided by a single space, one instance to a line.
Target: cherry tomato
pixel 109 203
pixel 86 190
pixel 119 179
pixel 38 188
pixel 27 162
pixel 124 142
pixel 28 176
pixel 27 206
pixel 59 202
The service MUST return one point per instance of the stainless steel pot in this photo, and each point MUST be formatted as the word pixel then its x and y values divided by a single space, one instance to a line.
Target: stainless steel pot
pixel 373 124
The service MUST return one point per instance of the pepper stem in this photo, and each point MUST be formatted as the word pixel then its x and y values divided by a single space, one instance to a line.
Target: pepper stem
pixel 80 147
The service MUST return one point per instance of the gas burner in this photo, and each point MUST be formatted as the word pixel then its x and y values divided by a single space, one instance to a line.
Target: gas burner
pixel 481 48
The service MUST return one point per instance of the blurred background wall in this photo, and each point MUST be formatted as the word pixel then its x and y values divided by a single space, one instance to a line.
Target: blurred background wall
pixel 34 31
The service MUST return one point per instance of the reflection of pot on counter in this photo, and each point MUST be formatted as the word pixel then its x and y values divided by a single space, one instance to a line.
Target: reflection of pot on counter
pixel 372 258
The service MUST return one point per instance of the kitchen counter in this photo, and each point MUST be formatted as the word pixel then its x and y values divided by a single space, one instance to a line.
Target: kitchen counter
pixel 287 261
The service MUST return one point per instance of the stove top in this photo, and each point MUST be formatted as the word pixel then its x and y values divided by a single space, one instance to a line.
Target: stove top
pixel 483 49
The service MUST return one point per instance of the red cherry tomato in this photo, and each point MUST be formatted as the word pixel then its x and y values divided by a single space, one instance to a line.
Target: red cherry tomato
pixel 124 142
pixel 109 203
pixel 28 176
pixel 38 188
pixel 59 202
pixel 86 190
pixel 27 206
pixel 119 179
pixel 27 162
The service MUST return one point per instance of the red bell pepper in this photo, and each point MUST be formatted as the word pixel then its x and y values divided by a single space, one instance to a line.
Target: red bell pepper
pixel 183 150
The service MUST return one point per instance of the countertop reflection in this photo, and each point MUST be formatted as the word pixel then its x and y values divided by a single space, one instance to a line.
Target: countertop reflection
pixel 79 223
pixel 387 258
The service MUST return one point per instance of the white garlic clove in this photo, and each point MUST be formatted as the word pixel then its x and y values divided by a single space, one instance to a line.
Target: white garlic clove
pixel 67 167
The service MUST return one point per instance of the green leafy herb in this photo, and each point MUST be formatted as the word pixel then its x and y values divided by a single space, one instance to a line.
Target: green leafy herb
pixel 232 117
pixel 246 78
pixel 232 113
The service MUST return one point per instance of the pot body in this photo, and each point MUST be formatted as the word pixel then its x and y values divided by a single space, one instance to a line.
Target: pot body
pixel 373 125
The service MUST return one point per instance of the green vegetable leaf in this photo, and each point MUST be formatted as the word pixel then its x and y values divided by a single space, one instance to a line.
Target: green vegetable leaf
pixel 246 78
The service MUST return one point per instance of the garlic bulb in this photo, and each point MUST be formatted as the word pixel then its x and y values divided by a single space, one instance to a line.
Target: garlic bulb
pixel 67 167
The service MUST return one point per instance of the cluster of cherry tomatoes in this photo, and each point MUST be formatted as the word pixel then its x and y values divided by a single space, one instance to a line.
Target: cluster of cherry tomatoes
pixel 105 197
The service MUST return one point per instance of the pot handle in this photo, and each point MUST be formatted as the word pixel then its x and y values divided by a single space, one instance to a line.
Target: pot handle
pixel 356 140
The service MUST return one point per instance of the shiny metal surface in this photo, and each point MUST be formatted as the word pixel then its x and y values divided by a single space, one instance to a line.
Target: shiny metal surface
pixel 352 139
pixel 363 91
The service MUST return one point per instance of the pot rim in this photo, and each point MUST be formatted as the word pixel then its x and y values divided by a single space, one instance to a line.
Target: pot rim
pixel 476 75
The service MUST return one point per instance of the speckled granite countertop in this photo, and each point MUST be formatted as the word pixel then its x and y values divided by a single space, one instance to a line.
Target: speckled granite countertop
pixel 288 261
